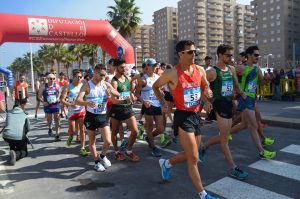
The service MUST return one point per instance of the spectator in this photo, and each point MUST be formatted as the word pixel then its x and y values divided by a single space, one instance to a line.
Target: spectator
pixel 282 74
pixel 15 135
pixel 276 83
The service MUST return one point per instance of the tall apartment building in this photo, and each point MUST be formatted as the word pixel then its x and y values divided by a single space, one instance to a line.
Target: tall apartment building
pixel 143 42
pixel 244 28
pixel 166 32
pixel 210 23
pixel 277 28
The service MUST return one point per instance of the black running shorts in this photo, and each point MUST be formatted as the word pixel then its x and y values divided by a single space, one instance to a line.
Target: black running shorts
pixel 187 121
pixel 223 108
pixel 152 110
pixel 121 112
pixel 94 121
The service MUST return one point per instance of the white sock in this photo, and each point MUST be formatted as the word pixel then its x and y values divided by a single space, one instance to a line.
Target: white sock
pixel 202 194
pixel 168 164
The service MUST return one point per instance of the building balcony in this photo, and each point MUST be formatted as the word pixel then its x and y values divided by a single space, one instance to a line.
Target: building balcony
pixel 215 38
pixel 214 19
pixel 200 5
pixel 216 7
pixel 200 24
pixel 216 32
pixel 216 13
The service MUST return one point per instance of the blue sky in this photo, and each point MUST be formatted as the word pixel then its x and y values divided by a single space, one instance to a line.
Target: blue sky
pixel 86 9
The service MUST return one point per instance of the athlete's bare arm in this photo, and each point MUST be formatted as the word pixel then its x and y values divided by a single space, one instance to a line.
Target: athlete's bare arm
pixel 64 94
pixel 111 90
pixel 141 84
pixel 211 75
pixel 85 89
pixel 206 92
pixel 115 99
pixel 236 83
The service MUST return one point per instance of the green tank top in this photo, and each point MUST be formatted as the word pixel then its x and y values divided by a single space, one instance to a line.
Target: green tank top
pixel 124 90
pixel 223 85
pixel 249 81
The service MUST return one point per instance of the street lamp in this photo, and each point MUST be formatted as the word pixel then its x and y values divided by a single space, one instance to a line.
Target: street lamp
pixel 135 50
pixel 269 55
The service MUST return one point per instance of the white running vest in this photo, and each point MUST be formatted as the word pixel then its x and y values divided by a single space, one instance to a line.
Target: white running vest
pixel 147 92
pixel 73 93
pixel 98 95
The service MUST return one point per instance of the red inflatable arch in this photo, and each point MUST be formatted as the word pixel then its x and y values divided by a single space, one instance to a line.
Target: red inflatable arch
pixel 42 29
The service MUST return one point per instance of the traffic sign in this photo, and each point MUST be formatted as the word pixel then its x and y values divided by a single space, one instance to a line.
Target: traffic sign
pixel 120 52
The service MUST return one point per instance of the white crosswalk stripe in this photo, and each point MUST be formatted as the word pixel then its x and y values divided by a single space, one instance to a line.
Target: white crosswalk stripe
pixel 234 189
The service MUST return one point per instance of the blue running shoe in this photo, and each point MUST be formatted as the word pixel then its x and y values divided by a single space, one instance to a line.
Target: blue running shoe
pixel 165 172
pixel 238 173
pixel 156 152
pixel 210 197
pixel 202 154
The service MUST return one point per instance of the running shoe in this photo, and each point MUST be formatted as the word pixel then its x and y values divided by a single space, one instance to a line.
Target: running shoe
pixel 165 172
pixel 133 157
pixel 35 117
pixel 267 154
pixel 268 141
pixel 210 197
pixel 202 154
pixel 99 167
pixel 13 157
pixel 141 133
pixel 123 144
pixel 230 136
pixel 83 152
pixel 119 156
pixel 78 138
pixel 50 132
pixel 61 115
pixel 105 162
pixel 238 173
pixel 165 143
pixel 69 140
pixel 156 152
pixel 57 139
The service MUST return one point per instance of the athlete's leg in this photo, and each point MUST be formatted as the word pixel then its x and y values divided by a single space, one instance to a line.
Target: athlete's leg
pixel 115 128
pixel 149 129
pixel 132 125
pixel 57 122
pixel 106 135
pixel 80 122
pixel 92 144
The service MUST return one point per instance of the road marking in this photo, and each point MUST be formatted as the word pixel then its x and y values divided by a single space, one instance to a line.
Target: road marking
pixel 293 148
pixel 235 189
pixel 279 168
pixel 5 184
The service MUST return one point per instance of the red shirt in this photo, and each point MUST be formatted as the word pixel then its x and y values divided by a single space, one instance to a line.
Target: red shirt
pixel 187 93
pixel 21 89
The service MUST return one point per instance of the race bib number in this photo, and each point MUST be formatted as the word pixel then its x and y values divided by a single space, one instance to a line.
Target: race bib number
pixel 152 96
pixel 51 99
pixel 227 88
pixel 72 97
pixel 100 105
pixel 252 87
pixel 125 95
pixel 192 97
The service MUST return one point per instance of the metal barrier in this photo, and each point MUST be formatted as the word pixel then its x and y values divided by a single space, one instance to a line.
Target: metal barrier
pixel 287 86
pixel 265 90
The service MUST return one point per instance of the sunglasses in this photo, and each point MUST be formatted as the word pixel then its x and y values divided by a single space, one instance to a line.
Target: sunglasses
pixel 79 77
pixel 51 78
pixel 256 55
pixel 101 74
pixel 190 52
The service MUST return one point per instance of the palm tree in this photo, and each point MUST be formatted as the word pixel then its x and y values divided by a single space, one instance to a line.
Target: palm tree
pixel 45 53
pixel 77 51
pixel 68 59
pixel 58 50
pixel 124 17
pixel 90 51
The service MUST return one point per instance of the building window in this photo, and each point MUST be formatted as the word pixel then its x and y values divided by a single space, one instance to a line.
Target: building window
pixel 278 39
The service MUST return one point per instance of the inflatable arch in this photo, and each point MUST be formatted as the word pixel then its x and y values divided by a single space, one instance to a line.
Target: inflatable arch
pixel 42 29
pixel 9 76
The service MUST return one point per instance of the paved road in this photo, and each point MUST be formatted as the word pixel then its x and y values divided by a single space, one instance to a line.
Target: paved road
pixel 53 170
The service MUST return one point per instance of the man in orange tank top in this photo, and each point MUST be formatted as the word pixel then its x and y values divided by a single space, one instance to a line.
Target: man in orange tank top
pixel 20 91
pixel 187 83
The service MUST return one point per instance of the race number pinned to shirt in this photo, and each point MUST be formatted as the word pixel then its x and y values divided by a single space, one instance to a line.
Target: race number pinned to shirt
pixel 124 95
pixel 100 104
pixel 192 97
pixel 252 87
pixel 227 88
pixel 51 99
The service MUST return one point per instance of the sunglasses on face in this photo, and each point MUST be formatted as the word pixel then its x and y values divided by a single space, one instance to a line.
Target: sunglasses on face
pixel 101 74
pixel 51 78
pixel 79 77
pixel 256 55
pixel 190 52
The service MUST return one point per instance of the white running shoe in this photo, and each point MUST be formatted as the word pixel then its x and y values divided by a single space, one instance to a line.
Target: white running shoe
pixel 99 167
pixel 105 162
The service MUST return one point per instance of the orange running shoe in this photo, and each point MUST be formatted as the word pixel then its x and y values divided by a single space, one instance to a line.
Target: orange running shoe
pixel 119 156
pixel 133 157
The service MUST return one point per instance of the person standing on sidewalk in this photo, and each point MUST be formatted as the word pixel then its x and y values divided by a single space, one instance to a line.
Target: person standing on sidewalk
pixel 188 84
pixel 121 110
pixel 95 92
pixel 49 95
pixel 38 84
pixel 20 92
pixel 151 107
pixel 75 113
pixel 223 81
